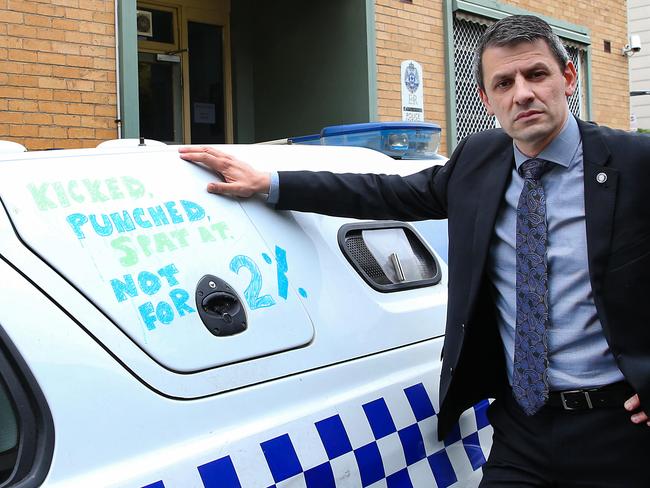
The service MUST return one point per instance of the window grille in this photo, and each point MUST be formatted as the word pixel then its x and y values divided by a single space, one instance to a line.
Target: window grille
pixel 471 116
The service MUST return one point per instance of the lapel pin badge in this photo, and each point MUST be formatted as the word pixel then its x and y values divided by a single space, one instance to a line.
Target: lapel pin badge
pixel 601 178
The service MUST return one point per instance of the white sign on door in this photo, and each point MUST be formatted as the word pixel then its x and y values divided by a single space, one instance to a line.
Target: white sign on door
pixel 412 91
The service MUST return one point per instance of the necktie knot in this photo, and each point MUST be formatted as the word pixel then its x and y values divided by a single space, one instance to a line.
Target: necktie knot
pixel 532 169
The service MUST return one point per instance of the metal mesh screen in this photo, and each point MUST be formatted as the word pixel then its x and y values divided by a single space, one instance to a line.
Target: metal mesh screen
pixel 362 256
pixel 471 117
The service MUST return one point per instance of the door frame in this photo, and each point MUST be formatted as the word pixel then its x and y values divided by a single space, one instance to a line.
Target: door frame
pixel 214 12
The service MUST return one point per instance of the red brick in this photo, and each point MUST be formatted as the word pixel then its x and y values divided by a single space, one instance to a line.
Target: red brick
pixel 13 117
pixel 21 6
pixel 38 119
pixel 53 132
pixel 37 45
pixel 50 58
pixel 52 83
pixel 11 92
pixel 22 105
pixel 81 133
pixel 51 107
pixel 38 94
pixel 10 17
pixel 67 120
pixel 20 55
pixel 106 134
pixel 62 47
pixel 51 34
pixel 38 20
pixel 36 69
pixel 67 95
pixel 21 30
pixel 82 61
pixel 23 130
pixel 81 109
pixel 22 80
pixel 80 85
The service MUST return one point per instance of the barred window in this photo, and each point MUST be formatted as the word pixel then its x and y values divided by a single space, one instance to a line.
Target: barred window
pixel 471 116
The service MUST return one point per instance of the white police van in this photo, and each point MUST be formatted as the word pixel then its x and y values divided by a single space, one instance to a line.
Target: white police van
pixel 154 335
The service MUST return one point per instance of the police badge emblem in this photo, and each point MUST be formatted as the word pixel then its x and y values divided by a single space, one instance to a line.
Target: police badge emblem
pixel 411 78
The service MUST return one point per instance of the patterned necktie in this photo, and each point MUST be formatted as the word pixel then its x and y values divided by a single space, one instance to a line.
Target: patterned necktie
pixel 530 378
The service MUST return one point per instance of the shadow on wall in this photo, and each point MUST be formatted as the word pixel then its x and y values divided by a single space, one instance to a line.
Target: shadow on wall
pixel 298 66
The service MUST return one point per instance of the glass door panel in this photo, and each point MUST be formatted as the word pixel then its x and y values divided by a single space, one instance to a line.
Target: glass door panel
pixel 160 98
pixel 207 95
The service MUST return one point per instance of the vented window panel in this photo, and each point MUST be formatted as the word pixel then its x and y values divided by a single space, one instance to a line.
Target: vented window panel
pixel 389 256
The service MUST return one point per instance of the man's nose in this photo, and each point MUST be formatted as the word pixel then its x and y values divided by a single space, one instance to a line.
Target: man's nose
pixel 523 94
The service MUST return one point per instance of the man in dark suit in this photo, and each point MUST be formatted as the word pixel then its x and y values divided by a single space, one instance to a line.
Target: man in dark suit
pixel 549 259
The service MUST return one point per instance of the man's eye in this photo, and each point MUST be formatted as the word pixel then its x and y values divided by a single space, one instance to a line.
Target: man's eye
pixel 503 84
pixel 538 74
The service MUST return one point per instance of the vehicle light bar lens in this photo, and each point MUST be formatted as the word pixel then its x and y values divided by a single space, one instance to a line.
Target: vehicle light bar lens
pixel 399 140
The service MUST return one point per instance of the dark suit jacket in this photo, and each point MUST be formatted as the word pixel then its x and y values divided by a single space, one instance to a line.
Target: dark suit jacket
pixel 468 191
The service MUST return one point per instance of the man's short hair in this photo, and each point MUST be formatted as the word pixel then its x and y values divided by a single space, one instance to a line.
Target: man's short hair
pixel 514 30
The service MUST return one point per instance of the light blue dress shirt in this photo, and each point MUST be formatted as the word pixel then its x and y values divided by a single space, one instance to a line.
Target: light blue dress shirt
pixel 274 189
pixel 578 355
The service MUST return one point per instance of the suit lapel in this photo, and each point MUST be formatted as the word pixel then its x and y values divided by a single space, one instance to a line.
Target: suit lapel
pixel 497 176
pixel 601 183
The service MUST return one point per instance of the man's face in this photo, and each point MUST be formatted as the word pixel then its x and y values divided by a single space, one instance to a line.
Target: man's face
pixel 526 89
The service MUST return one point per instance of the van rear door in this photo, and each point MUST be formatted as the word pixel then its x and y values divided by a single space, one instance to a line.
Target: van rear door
pixel 136 234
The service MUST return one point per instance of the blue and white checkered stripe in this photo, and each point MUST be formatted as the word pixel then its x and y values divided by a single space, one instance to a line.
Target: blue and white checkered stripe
pixel 372 446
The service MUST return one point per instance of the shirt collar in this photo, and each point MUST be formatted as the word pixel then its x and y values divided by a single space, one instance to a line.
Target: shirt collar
pixel 561 150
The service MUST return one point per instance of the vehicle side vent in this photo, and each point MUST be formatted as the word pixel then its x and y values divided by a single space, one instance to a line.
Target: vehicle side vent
pixel 359 254
pixel 389 256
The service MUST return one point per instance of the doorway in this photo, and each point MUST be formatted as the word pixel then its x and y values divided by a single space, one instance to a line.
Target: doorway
pixel 183 66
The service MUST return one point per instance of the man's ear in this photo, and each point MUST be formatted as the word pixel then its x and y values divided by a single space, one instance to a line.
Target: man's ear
pixel 570 78
pixel 484 99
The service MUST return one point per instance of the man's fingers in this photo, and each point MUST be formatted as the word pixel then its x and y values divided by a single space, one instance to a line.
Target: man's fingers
pixel 632 403
pixel 219 188
pixel 232 189
pixel 212 158
pixel 202 150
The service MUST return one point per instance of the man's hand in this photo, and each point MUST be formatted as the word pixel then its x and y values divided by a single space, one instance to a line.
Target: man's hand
pixel 633 404
pixel 240 179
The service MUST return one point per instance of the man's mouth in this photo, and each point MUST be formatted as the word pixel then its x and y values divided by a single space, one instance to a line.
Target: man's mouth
pixel 527 114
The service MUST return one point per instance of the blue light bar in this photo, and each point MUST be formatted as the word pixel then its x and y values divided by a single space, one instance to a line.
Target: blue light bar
pixel 400 140
pixel 310 139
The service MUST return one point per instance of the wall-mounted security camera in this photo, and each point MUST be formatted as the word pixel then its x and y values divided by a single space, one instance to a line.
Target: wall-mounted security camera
pixel 634 45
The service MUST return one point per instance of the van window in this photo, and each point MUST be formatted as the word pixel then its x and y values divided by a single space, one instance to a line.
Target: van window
pixel 8 435
pixel 26 428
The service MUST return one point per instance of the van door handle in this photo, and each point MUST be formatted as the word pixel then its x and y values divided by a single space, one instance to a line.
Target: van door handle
pixel 222 304
pixel 219 307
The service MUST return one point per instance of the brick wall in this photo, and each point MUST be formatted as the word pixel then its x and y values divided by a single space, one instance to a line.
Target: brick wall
pixel 416 31
pixel 57 72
